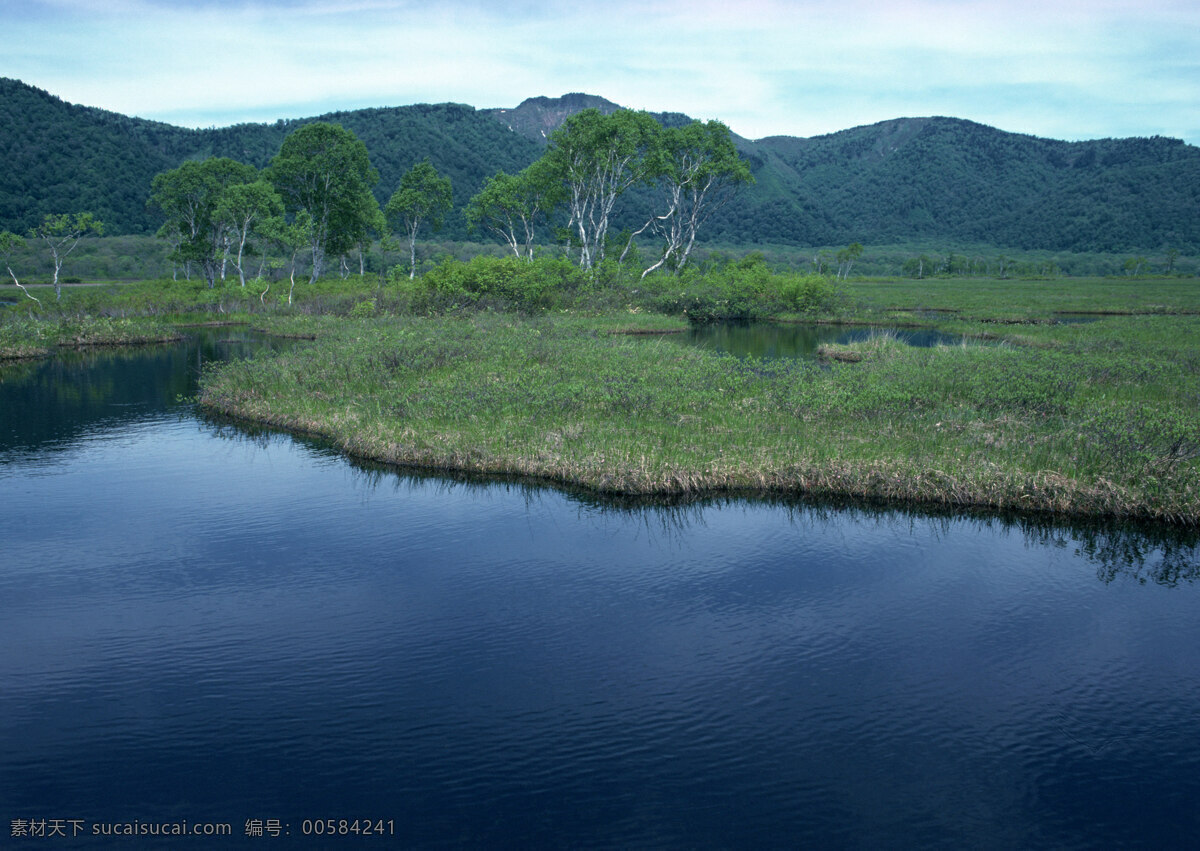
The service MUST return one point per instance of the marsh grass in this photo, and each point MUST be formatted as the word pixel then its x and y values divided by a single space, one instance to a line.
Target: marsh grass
pixel 1018 301
pixel 27 337
pixel 1088 428
pixel 879 344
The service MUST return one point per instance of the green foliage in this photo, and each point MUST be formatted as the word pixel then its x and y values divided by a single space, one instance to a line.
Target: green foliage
pixel 324 171
pixel 503 282
pixel 744 289
pixel 61 234
pixel 196 200
pixel 422 196
pixel 809 294
pixel 510 206
pixel 698 172
pixel 597 157
pixel 363 309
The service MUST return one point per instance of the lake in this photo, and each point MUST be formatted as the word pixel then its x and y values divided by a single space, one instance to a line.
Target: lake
pixel 207 624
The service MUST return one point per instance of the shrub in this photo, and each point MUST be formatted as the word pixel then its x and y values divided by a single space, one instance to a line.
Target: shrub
pixel 811 294
pixel 504 281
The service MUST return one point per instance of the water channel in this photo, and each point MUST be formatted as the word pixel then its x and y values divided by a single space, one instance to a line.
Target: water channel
pixel 204 623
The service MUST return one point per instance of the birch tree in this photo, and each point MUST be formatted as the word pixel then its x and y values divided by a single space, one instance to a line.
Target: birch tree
pixel 324 170
pixel 192 197
pixel 244 207
pixel 853 251
pixel 597 157
pixel 510 205
pixel 61 233
pixel 291 238
pixel 423 196
pixel 699 171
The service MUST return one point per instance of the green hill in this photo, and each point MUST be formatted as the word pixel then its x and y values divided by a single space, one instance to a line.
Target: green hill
pixel 60 157
pixel 908 179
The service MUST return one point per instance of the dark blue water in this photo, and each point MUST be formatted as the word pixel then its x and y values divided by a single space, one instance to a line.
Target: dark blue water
pixel 202 624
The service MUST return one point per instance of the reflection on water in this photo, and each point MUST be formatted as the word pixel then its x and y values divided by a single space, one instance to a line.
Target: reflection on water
pixel 51 402
pixel 770 340
pixel 209 623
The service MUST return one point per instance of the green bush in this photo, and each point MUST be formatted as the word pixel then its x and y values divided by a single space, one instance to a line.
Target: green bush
pixel 745 289
pixel 810 294
pixel 505 282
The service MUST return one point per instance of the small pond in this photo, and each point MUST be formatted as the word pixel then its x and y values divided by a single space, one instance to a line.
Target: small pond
pixel 778 340
pixel 205 623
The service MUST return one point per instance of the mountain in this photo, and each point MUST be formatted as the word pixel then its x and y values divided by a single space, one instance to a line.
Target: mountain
pixel 908 179
pixel 536 118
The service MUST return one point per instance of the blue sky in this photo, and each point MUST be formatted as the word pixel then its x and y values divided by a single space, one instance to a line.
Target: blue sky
pixel 1065 69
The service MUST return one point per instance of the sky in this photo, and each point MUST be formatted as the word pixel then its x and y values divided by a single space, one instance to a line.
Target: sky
pixel 1063 69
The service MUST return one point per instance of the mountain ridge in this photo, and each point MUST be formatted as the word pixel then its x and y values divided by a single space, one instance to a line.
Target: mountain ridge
pixel 910 178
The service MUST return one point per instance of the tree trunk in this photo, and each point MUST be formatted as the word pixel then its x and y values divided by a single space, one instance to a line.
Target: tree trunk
pixel 18 283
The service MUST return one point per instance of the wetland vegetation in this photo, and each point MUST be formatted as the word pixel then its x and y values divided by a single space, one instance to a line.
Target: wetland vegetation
pixel 506 367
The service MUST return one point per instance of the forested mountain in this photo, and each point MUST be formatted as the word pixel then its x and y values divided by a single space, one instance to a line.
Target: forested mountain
pixel 908 179
pixel 945 178
pixel 59 157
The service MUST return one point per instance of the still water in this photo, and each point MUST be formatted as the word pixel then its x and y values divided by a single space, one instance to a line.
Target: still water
pixel 203 624
pixel 771 340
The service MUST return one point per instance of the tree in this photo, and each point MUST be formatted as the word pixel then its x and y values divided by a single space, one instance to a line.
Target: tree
pixel 422 196
pixel 854 250
pixel 699 171
pixel 509 205
pixel 1133 265
pixel 62 233
pixel 244 207
pixel 10 242
pixel 193 198
pixel 323 169
pixel 597 157
pixel 290 237
pixel 377 228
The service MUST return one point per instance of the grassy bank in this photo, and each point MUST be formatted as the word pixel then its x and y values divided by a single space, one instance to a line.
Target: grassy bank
pixel 26 337
pixel 1105 421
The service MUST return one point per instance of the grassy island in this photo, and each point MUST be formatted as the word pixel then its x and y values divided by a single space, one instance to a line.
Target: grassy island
pixel 1098 419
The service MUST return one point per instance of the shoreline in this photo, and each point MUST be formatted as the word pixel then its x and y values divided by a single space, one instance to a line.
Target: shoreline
pixel 1044 494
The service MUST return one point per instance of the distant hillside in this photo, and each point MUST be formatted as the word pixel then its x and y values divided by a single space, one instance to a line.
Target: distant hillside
pixel 908 179
pixel 931 178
